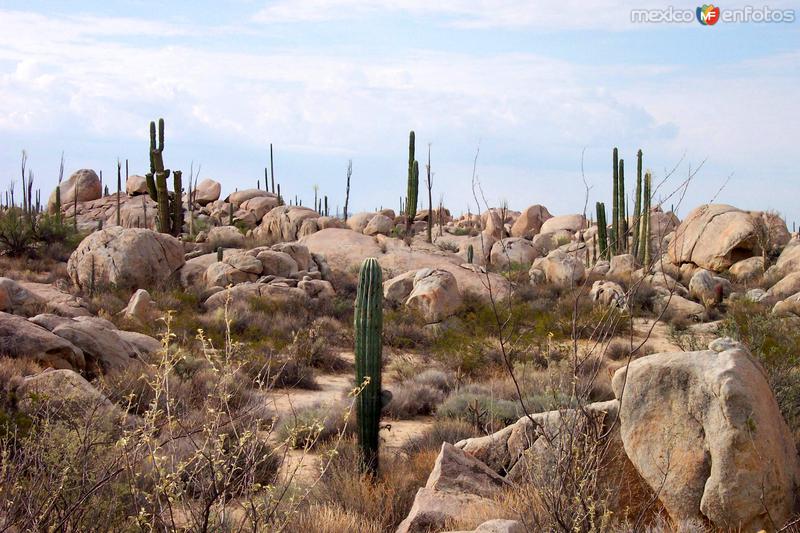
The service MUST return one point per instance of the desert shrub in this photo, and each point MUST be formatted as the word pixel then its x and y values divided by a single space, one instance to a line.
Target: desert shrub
pixel 410 399
pixel 312 426
pixel 313 347
pixel 40 234
pixel 403 329
pixel 383 501
pixel 477 405
pixel 330 518
pixel 776 343
pixel 419 395
pixel 442 430
pixel 245 464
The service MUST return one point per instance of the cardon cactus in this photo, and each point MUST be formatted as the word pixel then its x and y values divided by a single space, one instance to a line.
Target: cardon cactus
pixel 170 209
pixel 470 254
pixel 602 236
pixel 637 206
pixel 368 327
pixel 623 219
pixel 413 183
pixel 615 204
pixel 644 225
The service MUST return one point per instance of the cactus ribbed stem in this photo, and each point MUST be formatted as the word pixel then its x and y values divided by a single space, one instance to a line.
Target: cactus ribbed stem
pixel 637 207
pixel 368 327
pixel 163 201
pixel 219 254
pixel 177 203
pixel 614 204
pixel 622 225
pixel 602 230
pixel 470 254
pixel 119 187
pixel 413 183
pixel 644 228
pixel 58 204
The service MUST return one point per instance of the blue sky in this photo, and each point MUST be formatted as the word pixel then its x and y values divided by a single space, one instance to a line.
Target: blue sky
pixel 535 84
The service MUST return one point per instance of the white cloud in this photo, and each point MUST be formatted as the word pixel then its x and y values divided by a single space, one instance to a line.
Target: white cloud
pixel 60 78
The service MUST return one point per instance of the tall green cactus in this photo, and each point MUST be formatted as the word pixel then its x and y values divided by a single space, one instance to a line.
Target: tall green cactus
pixel 622 225
pixel 164 216
pixel 637 208
pixel 644 227
pixel 615 204
pixel 368 327
pixel 413 183
pixel 470 254
pixel 602 229
pixel 58 204
pixel 177 202
pixel 170 209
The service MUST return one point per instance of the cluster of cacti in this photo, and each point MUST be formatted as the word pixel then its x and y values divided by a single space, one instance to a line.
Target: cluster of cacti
pixel 368 327
pixel 412 195
pixel 170 208
pixel 625 239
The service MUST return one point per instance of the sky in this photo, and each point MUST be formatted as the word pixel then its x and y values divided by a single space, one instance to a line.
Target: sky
pixel 542 91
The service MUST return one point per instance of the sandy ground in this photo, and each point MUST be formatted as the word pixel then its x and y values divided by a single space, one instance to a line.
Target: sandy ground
pixel 304 465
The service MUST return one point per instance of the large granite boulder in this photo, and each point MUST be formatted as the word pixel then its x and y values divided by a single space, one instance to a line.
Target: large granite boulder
pixel 571 223
pixel 705 432
pixel 84 183
pixel 286 224
pixel 207 191
pixel 563 270
pixel 135 185
pixel 103 350
pixel 17 300
pixel 344 250
pixel 457 484
pixel 513 251
pixel 225 237
pixel 714 237
pixel 435 294
pixel 125 258
pixel 20 338
pixel 530 221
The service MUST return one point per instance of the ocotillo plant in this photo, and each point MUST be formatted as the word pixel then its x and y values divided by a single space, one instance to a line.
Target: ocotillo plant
pixel 614 204
pixel 470 254
pixel 412 193
pixel 272 170
pixel 637 206
pixel 368 327
pixel 602 230
pixel 75 208
pixel 347 191
pixel 58 190
pixel 430 200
